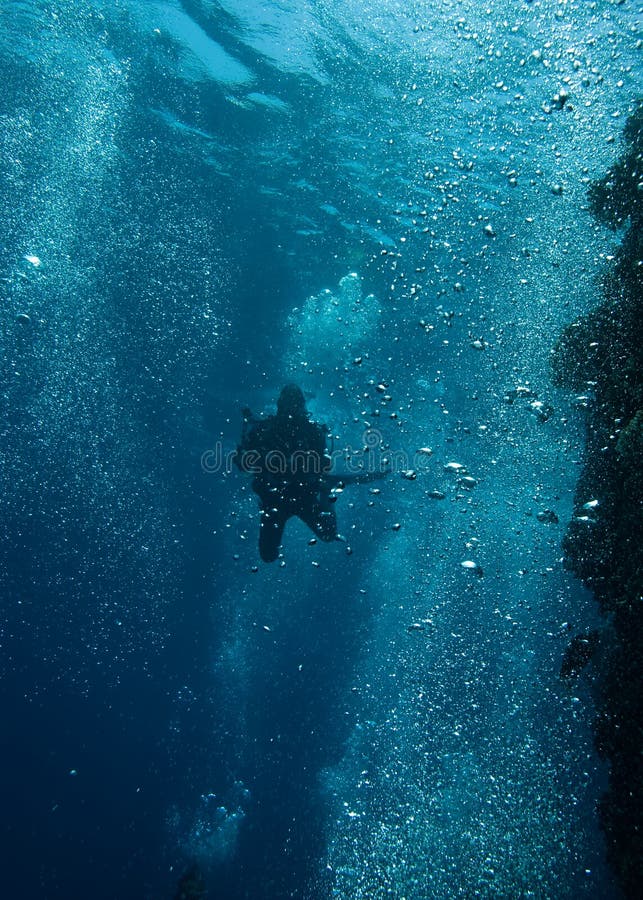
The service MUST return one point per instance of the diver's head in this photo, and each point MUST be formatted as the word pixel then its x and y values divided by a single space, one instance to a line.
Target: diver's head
pixel 291 402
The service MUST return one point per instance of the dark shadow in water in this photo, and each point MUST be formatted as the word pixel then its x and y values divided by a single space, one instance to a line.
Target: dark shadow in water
pixel 297 721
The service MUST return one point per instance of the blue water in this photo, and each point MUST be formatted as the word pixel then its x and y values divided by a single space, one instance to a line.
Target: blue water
pixel 199 202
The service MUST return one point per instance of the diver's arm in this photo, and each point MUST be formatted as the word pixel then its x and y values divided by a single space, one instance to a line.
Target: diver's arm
pixel 236 457
pixel 354 478
pixel 252 447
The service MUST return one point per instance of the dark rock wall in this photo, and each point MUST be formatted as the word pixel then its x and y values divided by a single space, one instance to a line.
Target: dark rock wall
pixel 600 357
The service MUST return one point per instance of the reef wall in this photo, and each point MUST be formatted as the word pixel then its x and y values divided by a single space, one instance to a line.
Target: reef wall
pixel 600 356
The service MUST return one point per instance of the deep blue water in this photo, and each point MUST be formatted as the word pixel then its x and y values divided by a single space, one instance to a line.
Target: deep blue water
pixel 200 202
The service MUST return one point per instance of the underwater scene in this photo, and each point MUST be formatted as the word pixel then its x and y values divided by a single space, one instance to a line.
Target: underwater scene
pixel 321 449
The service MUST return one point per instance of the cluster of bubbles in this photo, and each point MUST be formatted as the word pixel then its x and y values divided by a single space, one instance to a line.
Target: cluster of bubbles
pixel 333 325
pixel 212 837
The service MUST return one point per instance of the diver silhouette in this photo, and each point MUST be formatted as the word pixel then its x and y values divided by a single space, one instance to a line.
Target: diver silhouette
pixel 287 455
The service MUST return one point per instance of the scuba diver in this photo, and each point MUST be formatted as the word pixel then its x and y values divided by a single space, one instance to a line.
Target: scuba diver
pixel 287 455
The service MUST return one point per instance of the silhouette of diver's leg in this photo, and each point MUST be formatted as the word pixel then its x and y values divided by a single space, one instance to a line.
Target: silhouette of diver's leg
pixel 320 518
pixel 271 529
